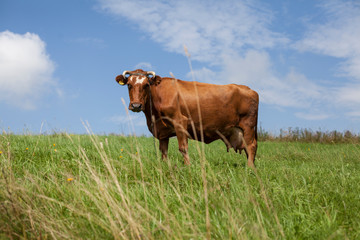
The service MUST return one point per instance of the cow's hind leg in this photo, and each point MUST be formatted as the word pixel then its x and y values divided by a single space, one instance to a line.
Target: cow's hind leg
pixel 164 144
pixel 182 137
pixel 250 145
pixel 248 125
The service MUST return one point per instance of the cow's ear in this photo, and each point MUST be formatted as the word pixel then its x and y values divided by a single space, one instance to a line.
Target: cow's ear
pixel 121 80
pixel 155 80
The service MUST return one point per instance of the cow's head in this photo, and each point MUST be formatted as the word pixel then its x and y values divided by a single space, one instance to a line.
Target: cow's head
pixel 138 83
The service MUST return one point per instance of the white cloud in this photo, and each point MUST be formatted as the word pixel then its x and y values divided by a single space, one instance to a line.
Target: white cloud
pixel 312 116
pixel 355 114
pixel 207 28
pixel 231 35
pixel 339 36
pixel 134 119
pixel 254 69
pixel 349 96
pixel 234 37
pixel 204 75
pixel 25 69
pixel 145 66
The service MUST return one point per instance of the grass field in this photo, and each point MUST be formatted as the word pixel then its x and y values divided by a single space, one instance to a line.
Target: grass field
pixel 112 187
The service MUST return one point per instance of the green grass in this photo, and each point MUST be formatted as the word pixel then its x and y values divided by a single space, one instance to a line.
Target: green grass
pixel 113 187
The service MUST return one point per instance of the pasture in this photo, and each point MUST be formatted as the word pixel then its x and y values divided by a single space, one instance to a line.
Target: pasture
pixel 65 186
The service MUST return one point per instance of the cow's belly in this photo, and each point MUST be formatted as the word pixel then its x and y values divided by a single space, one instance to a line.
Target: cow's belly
pixel 212 128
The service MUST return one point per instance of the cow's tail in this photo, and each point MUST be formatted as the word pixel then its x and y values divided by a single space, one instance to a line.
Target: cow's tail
pixel 257 115
pixel 256 132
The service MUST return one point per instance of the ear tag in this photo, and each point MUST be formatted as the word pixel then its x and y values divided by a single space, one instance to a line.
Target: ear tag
pixel 121 83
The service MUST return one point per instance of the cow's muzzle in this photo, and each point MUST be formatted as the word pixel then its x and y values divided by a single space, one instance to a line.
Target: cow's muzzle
pixel 135 107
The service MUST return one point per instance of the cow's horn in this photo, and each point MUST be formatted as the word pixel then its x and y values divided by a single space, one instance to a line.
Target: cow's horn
pixel 124 73
pixel 150 73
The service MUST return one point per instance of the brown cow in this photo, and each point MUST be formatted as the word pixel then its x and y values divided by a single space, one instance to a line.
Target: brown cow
pixel 171 106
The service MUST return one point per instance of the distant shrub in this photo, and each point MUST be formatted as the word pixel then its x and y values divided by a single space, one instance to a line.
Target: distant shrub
pixel 308 135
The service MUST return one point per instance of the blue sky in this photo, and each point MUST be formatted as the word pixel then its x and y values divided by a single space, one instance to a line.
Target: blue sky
pixel 59 59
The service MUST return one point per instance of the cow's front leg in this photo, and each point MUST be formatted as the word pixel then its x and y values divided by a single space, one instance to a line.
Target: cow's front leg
pixel 181 134
pixel 164 145
pixel 183 147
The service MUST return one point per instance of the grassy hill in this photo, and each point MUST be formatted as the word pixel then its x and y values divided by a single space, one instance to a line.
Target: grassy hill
pixel 113 187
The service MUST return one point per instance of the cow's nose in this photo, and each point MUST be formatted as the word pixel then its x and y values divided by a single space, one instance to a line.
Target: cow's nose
pixel 136 106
